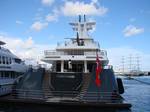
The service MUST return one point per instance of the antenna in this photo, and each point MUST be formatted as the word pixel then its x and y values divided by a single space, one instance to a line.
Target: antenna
pixel 82 27
pixel 84 18
pixel 138 63
pixel 79 18
pixel 123 62
pixel 130 63
pixel 77 38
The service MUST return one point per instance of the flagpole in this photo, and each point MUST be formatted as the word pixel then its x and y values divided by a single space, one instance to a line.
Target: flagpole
pixel 96 76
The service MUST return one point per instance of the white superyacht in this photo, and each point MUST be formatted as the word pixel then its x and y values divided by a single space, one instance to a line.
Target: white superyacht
pixel 11 67
pixel 80 75
pixel 74 64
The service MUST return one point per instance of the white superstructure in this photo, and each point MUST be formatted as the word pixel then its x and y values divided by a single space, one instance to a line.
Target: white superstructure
pixel 10 62
pixel 11 67
pixel 81 50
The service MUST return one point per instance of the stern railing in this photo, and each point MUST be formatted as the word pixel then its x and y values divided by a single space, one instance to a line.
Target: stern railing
pixel 90 53
pixel 66 96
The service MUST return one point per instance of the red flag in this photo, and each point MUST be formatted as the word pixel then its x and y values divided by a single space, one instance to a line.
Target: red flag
pixel 98 70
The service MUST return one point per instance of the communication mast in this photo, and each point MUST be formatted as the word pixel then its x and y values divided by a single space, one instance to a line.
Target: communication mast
pixel 130 62
pixel 123 64
pixel 138 63
pixel 133 64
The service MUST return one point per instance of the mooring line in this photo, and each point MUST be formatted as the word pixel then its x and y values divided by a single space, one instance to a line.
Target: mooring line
pixel 141 81
pixel 131 78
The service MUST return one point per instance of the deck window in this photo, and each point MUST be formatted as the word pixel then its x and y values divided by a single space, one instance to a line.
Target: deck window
pixel 76 52
pixel 7 60
pixel 2 74
pixel 58 67
pixel 10 60
pixel 7 74
pixel 17 60
pixel 0 60
pixel 3 59
pixel 76 66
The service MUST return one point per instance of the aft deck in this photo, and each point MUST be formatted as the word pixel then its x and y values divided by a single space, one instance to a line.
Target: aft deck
pixel 91 100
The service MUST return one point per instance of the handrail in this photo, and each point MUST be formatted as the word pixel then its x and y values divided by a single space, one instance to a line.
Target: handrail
pixel 73 43
pixel 65 95
pixel 36 90
pixel 53 52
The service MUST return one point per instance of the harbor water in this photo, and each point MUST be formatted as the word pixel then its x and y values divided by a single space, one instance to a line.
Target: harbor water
pixel 137 92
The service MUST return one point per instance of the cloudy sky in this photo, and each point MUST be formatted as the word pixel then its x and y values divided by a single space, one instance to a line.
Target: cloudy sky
pixel 123 28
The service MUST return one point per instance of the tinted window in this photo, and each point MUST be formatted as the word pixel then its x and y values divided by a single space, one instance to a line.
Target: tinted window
pixel 3 59
pixel 7 60
pixel 17 60
pixel 0 60
pixel 10 60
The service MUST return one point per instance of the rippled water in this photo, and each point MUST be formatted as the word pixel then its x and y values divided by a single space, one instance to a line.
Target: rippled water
pixel 136 92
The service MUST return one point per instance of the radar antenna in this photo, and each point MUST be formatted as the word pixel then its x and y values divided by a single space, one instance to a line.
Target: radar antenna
pixel 82 27
pixel 78 40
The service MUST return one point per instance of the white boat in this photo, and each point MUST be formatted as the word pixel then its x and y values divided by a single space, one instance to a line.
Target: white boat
pixel 81 50
pixel 11 67
pixel 80 75
pixel 74 64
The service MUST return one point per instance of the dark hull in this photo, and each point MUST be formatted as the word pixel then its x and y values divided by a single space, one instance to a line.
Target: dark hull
pixel 83 83
pixel 40 106
pixel 80 86
pixel 55 89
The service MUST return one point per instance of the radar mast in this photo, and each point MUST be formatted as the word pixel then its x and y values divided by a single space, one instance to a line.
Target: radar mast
pixel 82 27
